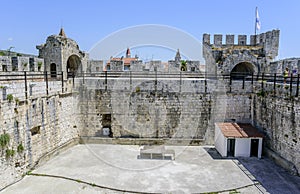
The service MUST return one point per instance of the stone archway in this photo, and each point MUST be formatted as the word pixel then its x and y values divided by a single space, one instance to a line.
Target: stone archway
pixel 242 69
pixel 73 65
pixel 53 72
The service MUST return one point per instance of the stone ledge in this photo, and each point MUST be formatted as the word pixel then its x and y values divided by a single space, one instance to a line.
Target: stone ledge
pixel 47 156
pixel 141 141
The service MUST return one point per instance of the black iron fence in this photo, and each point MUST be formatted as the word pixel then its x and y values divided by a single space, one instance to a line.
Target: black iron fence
pixel 26 77
pixel 259 82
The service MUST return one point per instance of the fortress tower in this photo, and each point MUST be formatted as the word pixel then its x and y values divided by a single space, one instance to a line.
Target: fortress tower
pixel 62 54
pixel 241 57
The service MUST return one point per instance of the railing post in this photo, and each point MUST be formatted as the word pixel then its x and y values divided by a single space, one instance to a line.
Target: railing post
pixel 262 81
pixel 73 77
pixel 105 80
pixel 230 82
pixel 252 80
pixel 130 79
pixel 83 77
pixel 155 79
pixel 46 78
pixel 243 87
pixel 180 81
pixel 62 82
pixel 291 85
pixel 274 82
pixel 297 89
pixel 205 86
pixel 25 79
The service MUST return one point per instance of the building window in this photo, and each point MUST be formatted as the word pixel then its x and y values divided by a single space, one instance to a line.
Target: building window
pixel 31 64
pixel 4 67
pixel 126 68
pixel 192 68
pixel 4 95
pixel 14 61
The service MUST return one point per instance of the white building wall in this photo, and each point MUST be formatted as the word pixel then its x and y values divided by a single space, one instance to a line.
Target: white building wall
pixel 242 147
pixel 220 141
pixel 260 147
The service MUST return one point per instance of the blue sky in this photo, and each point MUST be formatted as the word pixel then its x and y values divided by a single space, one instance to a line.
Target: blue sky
pixel 25 24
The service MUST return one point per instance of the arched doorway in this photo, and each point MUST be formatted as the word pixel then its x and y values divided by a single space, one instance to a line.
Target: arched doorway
pixel 53 70
pixel 242 70
pixel 73 65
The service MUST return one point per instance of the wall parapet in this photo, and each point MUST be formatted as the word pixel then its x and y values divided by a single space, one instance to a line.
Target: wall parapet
pixel 242 40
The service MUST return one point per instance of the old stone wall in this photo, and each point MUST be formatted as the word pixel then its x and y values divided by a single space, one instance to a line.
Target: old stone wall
pixel 187 108
pixel 9 64
pixel 95 66
pixel 137 108
pixel 221 58
pixel 178 107
pixel 36 127
pixel 279 118
pixel 152 106
pixel 34 88
pixel 293 64
pixel 62 54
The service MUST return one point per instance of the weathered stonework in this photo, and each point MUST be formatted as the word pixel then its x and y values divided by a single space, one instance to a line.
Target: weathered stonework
pixel 279 120
pixel 14 63
pixel 153 105
pixel 41 125
pixel 62 54
pixel 241 57
pixel 293 64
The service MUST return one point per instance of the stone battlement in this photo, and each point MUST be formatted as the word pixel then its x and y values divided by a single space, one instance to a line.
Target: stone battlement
pixel 242 40
pixel 231 56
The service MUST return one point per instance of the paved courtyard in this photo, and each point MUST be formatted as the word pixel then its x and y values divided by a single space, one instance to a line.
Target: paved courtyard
pixel 87 168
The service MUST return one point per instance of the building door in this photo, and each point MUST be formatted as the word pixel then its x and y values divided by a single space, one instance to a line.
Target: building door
pixel 53 70
pixel 106 123
pixel 254 147
pixel 230 147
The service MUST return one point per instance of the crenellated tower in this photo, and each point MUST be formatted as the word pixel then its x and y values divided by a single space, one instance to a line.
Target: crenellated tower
pixel 241 56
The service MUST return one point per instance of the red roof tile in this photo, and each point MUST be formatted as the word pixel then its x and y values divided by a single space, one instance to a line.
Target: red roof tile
pixel 126 61
pixel 239 130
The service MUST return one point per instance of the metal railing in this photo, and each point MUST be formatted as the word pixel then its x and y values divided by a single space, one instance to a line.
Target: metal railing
pixel 260 82
pixel 26 77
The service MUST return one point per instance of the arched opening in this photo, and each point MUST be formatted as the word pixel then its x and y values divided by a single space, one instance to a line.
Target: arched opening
pixel 73 65
pixel 53 70
pixel 242 70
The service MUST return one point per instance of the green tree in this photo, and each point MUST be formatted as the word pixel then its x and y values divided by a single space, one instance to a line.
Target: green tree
pixel 183 66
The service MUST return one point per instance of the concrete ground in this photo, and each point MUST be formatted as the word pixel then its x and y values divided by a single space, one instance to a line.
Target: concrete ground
pixel 274 178
pixel 87 168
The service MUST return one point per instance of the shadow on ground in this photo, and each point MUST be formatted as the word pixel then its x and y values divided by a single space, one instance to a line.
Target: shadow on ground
pixel 272 177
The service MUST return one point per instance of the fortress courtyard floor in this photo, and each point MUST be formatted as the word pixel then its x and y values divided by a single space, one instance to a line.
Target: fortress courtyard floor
pixel 102 168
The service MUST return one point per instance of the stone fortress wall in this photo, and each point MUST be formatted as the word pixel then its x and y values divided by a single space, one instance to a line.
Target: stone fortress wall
pixel 39 124
pixel 183 106
pixel 221 57
pixel 21 63
pixel 185 109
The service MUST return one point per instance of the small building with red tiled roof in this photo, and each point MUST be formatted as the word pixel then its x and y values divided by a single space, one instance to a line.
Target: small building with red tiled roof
pixel 237 139
pixel 121 63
